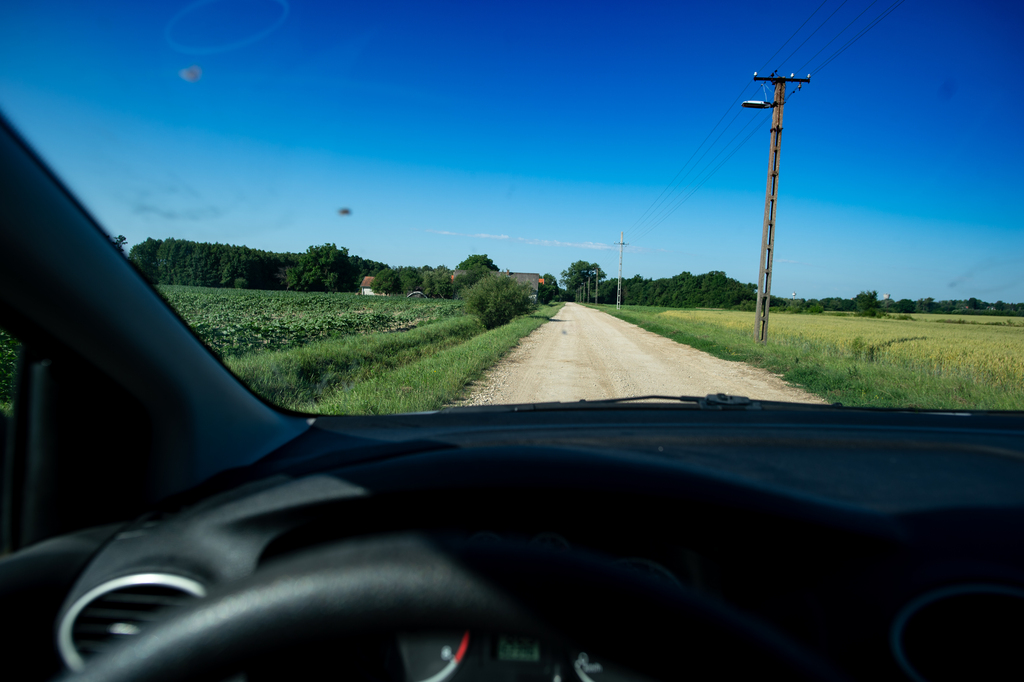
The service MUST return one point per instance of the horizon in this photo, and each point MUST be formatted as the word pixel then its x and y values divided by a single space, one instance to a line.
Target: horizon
pixel 610 277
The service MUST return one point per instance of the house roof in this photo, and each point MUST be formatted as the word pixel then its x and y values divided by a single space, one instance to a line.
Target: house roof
pixel 367 281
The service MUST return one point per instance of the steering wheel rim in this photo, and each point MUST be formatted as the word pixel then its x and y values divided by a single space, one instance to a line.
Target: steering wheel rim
pixel 409 582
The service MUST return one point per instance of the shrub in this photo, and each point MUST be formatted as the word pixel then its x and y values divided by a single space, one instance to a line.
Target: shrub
pixel 497 300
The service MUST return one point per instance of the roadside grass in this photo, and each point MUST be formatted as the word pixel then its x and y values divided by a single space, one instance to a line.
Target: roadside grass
pixel 300 378
pixel 433 381
pixel 859 361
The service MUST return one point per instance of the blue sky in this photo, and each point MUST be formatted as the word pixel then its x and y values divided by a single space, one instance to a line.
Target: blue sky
pixel 537 132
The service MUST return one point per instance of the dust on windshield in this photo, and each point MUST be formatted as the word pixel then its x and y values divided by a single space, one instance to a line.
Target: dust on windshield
pixel 403 207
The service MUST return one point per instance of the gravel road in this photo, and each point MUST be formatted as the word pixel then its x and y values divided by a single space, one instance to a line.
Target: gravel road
pixel 586 354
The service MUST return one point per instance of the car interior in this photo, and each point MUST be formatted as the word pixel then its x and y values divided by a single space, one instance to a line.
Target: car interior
pixel 160 521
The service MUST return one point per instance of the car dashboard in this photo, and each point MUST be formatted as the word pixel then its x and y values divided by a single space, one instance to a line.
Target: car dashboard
pixel 872 546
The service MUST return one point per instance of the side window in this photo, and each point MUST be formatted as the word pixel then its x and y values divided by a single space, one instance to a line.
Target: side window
pixel 9 347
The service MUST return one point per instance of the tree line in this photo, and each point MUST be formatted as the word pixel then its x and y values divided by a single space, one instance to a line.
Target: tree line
pixel 200 264
pixel 716 290
pixel 327 267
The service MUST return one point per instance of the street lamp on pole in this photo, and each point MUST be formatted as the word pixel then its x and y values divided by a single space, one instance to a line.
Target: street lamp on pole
pixel 764 278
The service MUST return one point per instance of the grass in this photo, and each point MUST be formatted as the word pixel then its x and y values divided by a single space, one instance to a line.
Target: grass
pixel 924 362
pixel 433 381
pixel 299 379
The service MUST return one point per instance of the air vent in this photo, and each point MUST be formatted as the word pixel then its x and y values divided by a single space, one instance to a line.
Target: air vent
pixel 119 609
pixel 965 632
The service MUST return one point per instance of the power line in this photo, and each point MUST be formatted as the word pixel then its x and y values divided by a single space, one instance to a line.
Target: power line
pixel 837 35
pixel 812 34
pixel 708 176
pixel 763 66
pixel 663 215
pixel 661 200
pixel 640 223
pixel 712 132
pixel 886 12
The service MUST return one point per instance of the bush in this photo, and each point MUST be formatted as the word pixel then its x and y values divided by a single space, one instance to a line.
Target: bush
pixel 496 300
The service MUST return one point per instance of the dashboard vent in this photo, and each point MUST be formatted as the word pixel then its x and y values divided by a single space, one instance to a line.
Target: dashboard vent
pixel 119 609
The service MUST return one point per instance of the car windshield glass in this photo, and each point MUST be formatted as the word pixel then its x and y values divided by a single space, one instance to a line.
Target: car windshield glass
pixel 374 208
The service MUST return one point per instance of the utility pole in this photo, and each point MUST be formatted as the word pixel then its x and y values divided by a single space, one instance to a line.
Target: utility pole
pixel 764 278
pixel 597 283
pixel 618 294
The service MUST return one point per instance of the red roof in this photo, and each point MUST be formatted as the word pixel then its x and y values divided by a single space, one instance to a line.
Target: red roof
pixel 367 282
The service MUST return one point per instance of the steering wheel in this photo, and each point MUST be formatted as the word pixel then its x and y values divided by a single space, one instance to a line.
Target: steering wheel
pixel 408 582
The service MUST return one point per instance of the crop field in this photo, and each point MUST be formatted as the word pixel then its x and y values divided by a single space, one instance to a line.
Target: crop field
pixel 236 322
pixel 941 345
pixel 924 361
pixel 335 353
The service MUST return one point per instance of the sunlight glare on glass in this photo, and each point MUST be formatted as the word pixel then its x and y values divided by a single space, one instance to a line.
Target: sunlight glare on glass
pixel 214 26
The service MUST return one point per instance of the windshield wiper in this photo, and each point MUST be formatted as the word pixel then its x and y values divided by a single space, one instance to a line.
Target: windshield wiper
pixel 712 401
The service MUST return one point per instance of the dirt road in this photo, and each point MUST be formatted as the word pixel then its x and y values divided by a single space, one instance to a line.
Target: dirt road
pixel 586 354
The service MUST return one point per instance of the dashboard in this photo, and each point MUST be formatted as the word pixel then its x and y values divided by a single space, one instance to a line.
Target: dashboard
pixel 898 588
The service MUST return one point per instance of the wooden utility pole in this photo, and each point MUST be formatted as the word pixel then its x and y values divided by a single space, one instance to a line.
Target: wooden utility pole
pixel 764 278
pixel 597 282
pixel 618 294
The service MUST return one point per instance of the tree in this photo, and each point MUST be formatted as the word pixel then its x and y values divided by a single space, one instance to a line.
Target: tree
pixel 119 241
pixel 548 291
pixel 387 281
pixel 438 283
pixel 470 278
pixel 498 300
pixel 477 260
pixel 904 305
pixel 867 303
pixel 411 279
pixel 321 268
pixel 145 256
pixel 577 274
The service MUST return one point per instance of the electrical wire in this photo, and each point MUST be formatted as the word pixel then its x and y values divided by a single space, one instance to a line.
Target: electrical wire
pixel 812 34
pixel 801 69
pixel 666 212
pixel 673 180
pixel 661 202
pixel 675 194
pixel 653 213
pixel 886 12
pixel 792 36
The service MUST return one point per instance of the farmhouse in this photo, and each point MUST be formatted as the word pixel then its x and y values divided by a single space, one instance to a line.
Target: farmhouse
pixel 366 287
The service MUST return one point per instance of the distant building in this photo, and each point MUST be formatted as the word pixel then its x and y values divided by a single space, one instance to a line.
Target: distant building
pixel 366 287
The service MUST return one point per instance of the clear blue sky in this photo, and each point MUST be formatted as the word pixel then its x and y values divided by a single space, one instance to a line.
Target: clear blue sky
pixel 536 132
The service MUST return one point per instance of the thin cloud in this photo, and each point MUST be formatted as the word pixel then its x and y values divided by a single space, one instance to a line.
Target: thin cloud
pixel 475 236
pixel 596 246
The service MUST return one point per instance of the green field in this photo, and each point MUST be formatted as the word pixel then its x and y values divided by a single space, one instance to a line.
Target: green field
pixel 921 361
pixel 347 354
pixel 236 322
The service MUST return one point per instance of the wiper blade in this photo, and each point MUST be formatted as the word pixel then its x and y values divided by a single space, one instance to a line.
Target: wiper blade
pixel 712 401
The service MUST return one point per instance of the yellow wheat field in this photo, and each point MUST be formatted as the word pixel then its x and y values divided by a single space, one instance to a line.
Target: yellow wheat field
pixel 989 350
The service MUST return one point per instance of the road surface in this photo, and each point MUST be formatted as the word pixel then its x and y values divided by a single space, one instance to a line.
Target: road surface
pixel 584 354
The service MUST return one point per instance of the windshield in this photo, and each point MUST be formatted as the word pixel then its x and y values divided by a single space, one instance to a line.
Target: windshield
pixel 374 208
